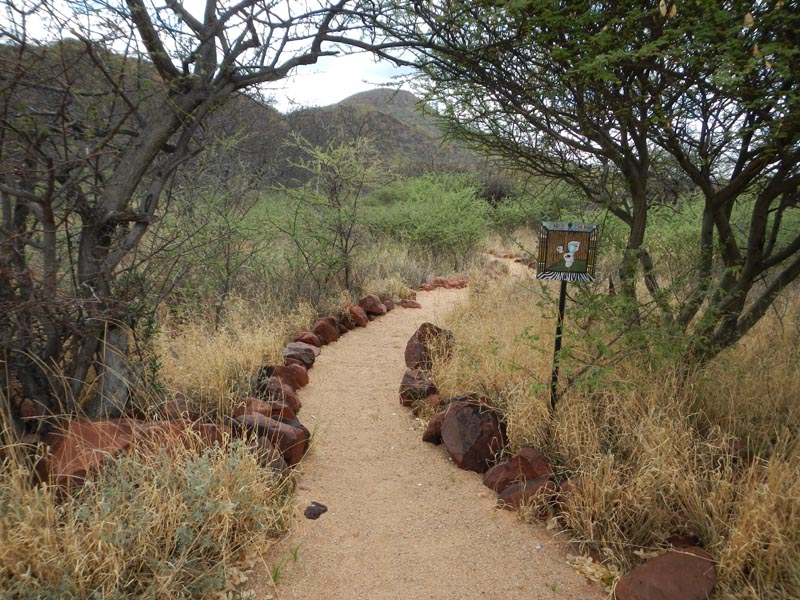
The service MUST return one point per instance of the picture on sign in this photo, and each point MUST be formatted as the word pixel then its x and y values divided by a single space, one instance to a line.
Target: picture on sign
pixel 567 251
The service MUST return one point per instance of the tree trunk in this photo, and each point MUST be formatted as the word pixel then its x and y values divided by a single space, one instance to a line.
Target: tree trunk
pixel 117 376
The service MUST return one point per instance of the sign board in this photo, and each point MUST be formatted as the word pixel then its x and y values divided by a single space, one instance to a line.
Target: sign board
pixel 567 251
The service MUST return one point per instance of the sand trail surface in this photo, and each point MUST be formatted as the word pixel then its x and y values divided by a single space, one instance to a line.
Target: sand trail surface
pixel 403 523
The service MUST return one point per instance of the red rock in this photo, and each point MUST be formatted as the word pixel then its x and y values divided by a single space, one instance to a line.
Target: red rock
pixel 326 329
pixel 275 389
pixel 156 435
pixel 268 455
pixel 372 305
pixel 358 315
pixel 300 374
pixel 421 344
pixel 525 492
pixel 433 432
pixel 308 338
pixel 342 329
pixel 427 287
pixel 290 437
pixel 346 320
pixel 438 282
pixel 388 303
pixel 301 352
pixel 416 385
pixel 179 407
pixel 28 409
pixel 268 408
pixel 471 433
pixel 211 433
pixel 410 304
pixel 295 376
pixel 527 464
pixel 430 402
pixel 293 361
pixel 416 354
pixel 81 446
pixel 685 574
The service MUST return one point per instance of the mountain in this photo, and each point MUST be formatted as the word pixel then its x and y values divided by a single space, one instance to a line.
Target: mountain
pixel 245 134
pixel 399 128
pixel 400 104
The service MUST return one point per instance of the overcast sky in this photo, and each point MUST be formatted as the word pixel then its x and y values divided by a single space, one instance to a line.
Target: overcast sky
pixel 330 80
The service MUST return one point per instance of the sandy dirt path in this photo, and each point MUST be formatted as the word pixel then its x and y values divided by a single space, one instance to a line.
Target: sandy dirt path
pixel 403 522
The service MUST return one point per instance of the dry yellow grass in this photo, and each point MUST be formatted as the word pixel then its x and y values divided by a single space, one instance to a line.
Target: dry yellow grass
pixel 209 367
pixel 654 451
pixel 496 355
pixel 148 526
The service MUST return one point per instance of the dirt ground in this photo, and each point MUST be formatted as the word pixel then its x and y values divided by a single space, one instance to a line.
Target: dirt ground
pixel 402 522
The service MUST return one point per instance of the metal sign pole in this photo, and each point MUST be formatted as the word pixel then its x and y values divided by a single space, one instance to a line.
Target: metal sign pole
pixel 567 252
pixel 562 301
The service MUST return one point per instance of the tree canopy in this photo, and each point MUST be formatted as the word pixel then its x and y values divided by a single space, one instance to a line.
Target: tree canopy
pixel 100 104
pixel 633 104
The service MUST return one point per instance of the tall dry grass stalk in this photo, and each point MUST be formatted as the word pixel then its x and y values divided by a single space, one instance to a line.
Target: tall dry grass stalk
pixel 149 525
pixel 209 366
pixel 496 335
pixel 651 450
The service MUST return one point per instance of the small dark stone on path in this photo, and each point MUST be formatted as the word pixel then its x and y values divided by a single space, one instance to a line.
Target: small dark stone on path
pixel 315 510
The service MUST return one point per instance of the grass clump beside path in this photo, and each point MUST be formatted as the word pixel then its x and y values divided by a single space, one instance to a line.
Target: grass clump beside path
pixel 164 525
pixel 653 450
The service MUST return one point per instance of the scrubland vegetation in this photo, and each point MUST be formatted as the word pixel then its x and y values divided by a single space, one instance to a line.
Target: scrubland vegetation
pixel 653 445
pixel 186 524
pixel 177 524
pixel 154 247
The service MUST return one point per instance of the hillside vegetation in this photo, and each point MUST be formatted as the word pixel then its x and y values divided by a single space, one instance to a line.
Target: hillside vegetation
pixel 398 126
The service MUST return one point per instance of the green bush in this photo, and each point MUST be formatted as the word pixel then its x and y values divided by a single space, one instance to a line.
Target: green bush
pixel 436 214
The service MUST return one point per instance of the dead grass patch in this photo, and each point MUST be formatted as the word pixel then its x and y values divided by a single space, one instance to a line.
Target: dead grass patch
pixel 651 450
pixel 150 525
pixel 210 366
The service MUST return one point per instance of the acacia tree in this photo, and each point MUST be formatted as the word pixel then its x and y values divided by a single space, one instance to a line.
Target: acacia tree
pixel 613 97
pixel 323 220
pixel 92 130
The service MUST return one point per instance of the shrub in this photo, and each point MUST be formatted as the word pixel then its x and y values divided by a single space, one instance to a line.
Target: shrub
pixel 438 215
pixel 169 525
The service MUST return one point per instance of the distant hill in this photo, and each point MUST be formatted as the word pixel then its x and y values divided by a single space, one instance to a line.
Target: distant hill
pixel 400 104
pixel 396 125
pixel 400 132
pixel 403 134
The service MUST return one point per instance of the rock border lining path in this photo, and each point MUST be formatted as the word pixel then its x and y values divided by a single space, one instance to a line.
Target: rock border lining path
pixel 400 522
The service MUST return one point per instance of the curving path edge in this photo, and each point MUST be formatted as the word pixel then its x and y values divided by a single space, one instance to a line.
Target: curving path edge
pixel 403 523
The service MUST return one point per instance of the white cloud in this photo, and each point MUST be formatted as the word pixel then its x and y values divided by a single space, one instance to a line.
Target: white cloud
pixel 332 79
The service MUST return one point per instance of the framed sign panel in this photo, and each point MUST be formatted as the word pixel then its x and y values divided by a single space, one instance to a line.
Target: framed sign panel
pixel 567 251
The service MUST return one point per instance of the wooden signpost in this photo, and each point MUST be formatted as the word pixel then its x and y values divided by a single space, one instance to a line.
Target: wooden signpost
pixel 567 252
